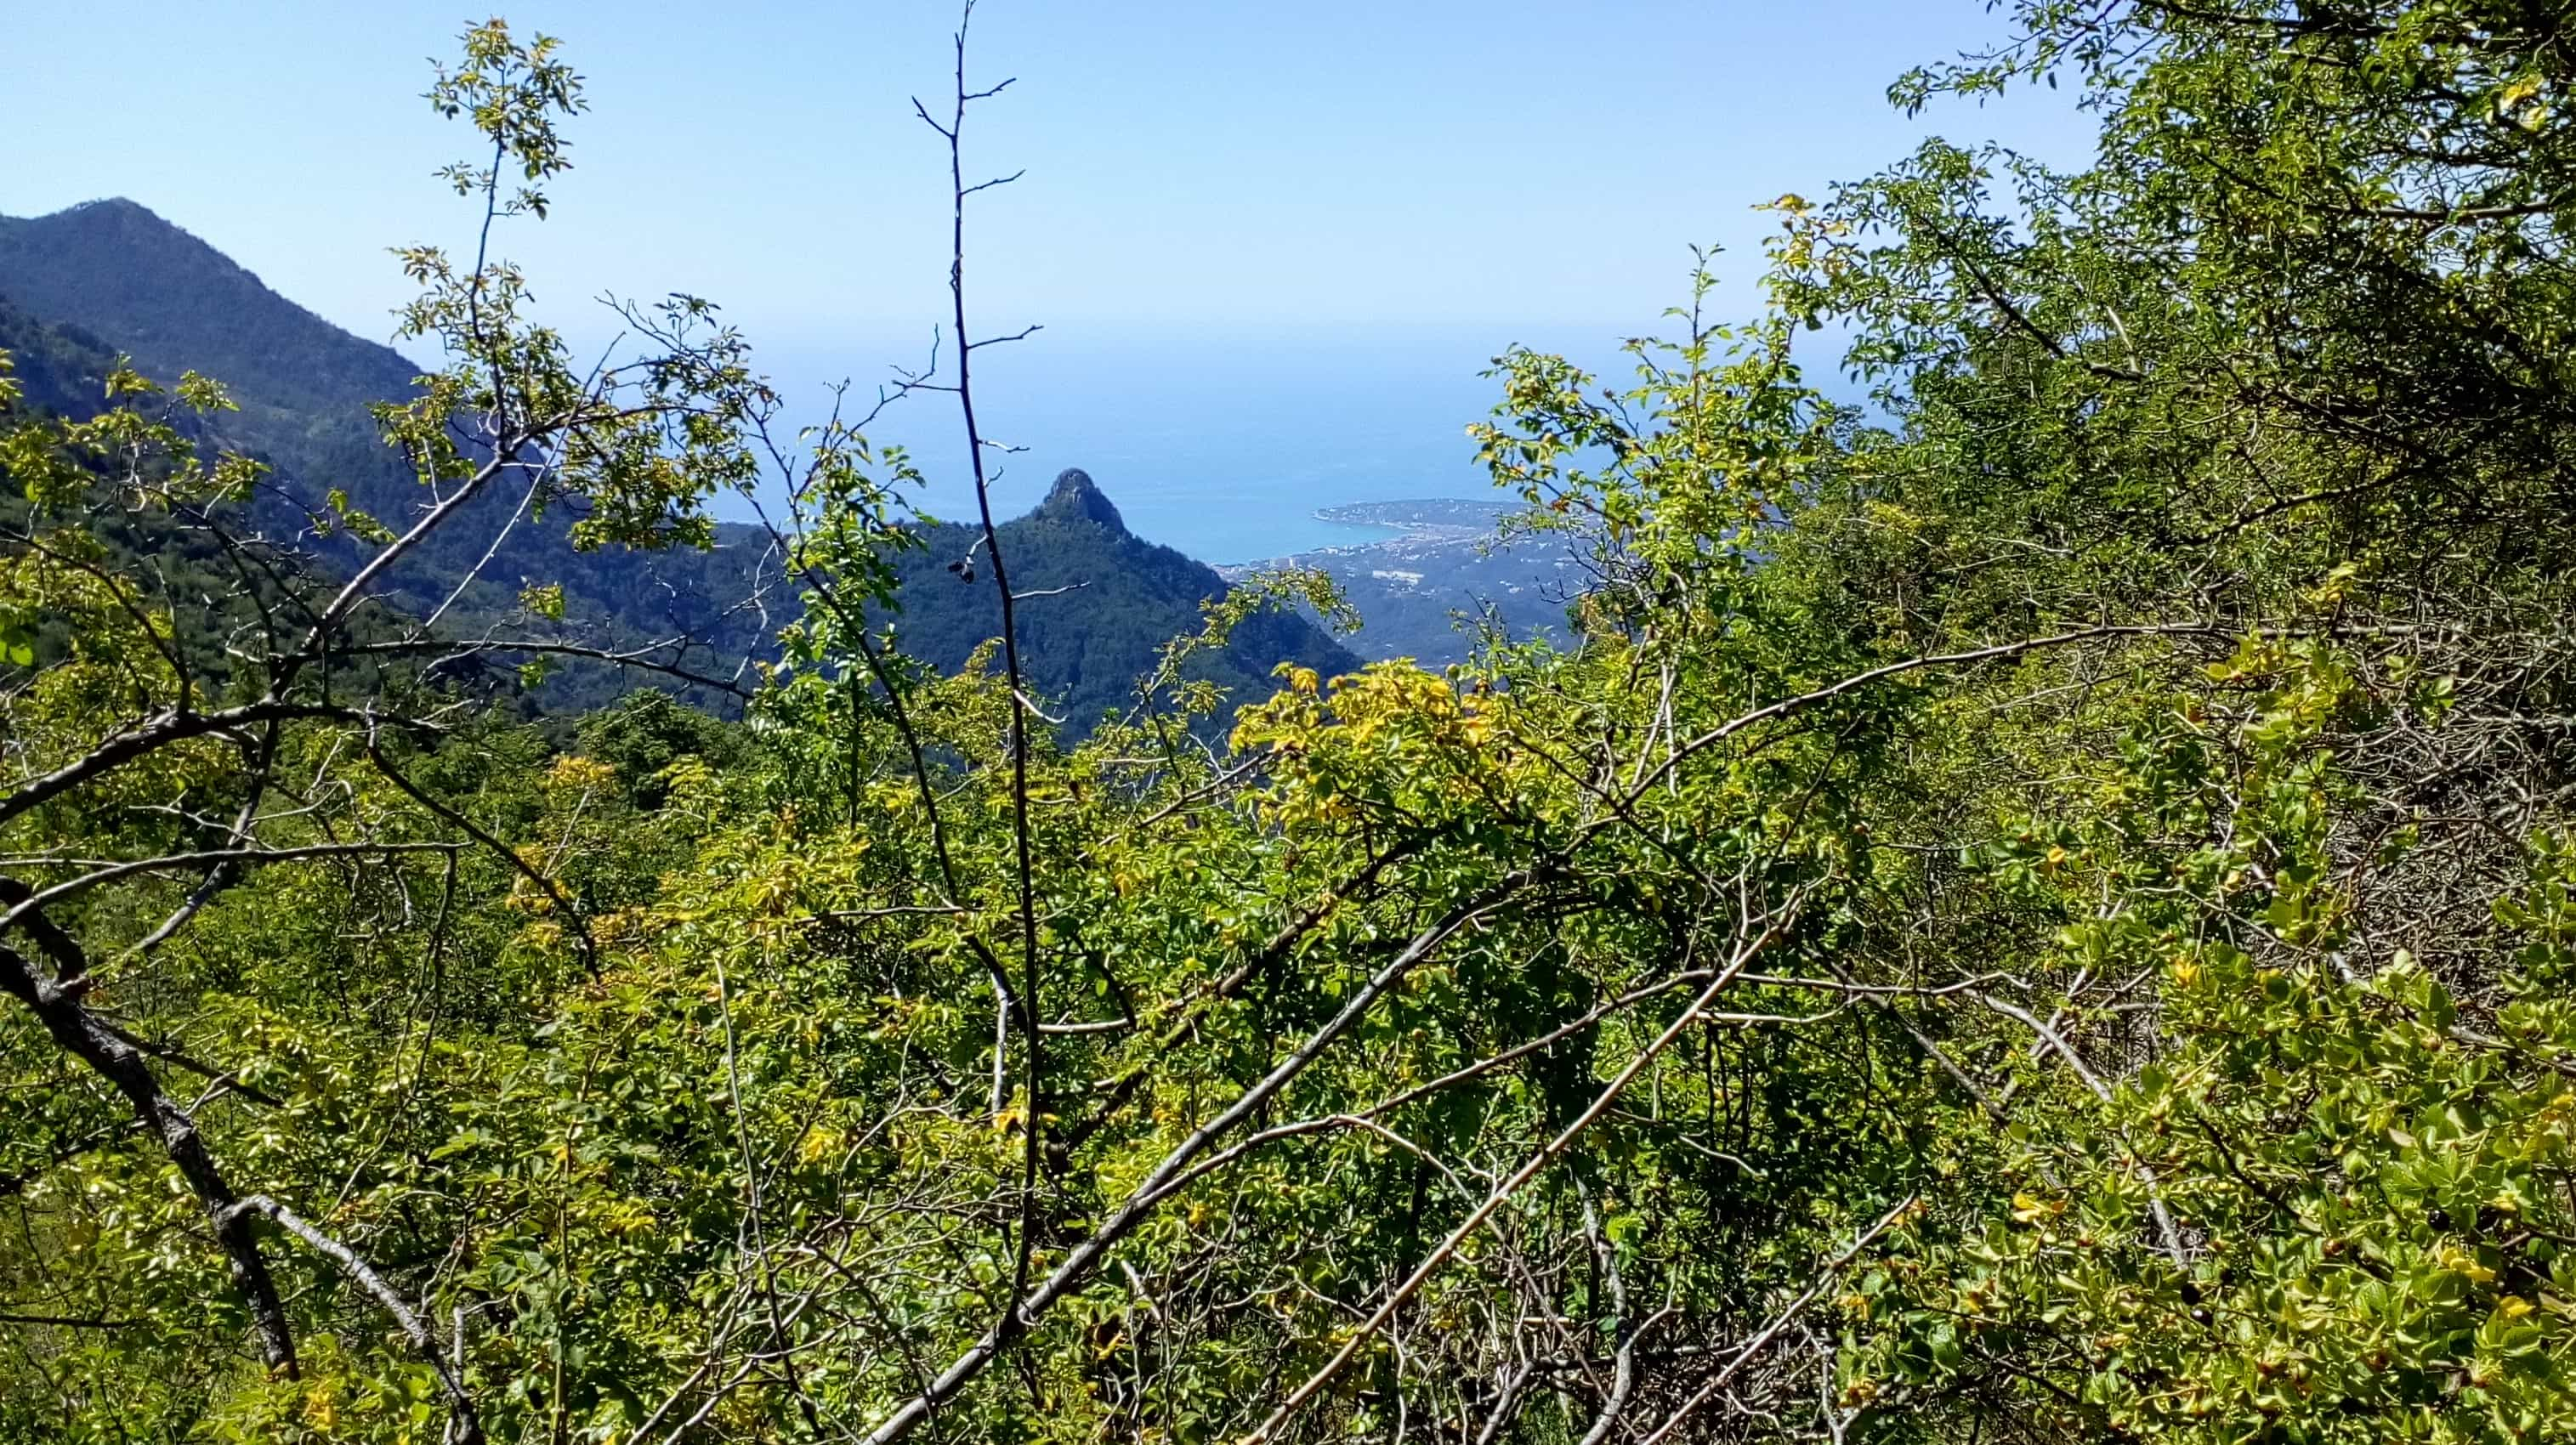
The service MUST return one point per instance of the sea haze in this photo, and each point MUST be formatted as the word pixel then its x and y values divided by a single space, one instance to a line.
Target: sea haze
pixel 1219 442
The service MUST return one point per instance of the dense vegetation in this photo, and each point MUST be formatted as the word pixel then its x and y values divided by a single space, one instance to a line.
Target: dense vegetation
pixel 1112 599
pixel 110 281
pixel 116 276
pixel 58 369
pixel 2042 910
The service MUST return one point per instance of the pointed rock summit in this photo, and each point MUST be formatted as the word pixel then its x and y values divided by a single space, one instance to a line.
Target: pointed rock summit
pixel 1075 499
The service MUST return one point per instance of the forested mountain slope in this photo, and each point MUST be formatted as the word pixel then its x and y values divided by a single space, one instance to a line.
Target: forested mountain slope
pixel 80 287
pixel 60 369
pixel 1116 600
pixel 124 278
pixel 174 302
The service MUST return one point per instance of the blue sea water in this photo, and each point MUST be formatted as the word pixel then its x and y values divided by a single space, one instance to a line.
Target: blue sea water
pixel 1219 442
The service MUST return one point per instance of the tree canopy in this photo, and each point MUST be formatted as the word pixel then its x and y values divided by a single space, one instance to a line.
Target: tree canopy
pixel 2040 907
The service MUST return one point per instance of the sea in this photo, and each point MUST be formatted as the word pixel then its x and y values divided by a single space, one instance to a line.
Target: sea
pixel 1220 442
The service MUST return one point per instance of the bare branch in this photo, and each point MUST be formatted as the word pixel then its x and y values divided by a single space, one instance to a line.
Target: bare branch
pixel 465 1428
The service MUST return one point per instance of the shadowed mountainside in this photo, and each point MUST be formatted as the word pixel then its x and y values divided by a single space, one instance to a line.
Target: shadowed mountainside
pixel 1090 644
pixel 115 274
pixel 83 285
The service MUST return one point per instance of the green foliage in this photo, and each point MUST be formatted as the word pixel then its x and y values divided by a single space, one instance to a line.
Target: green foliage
pixel 1117 599
pixel 2373 1192
pixel 2043 909
pixel 112 276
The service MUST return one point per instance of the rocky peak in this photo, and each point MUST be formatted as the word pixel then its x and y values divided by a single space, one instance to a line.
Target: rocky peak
pixel 1075 499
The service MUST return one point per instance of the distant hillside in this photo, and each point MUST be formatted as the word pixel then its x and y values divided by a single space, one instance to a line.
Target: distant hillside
pixel 149 288
pixel 62 369
pixel 113 276
pixel 82 285
pixel 1088 646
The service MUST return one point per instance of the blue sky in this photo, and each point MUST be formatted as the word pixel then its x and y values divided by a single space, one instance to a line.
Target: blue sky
pixel 1222 163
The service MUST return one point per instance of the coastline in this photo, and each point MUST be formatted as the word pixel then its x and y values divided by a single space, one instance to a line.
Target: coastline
pixel 1415 522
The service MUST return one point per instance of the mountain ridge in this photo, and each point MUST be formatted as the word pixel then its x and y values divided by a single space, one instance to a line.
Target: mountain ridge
pixel 140 285
pixel 265 341
pixel 113 276
pixel 1111 599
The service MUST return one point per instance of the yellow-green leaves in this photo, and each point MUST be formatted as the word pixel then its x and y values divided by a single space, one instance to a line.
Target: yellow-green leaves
pixel 202 394
pixel 544 599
